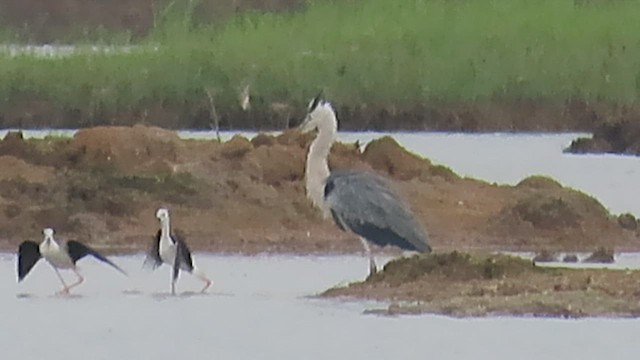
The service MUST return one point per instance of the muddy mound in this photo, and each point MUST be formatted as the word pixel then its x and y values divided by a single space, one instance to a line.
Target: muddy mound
pixel 558 218
pixel 263 139
pixel 236 148
pixel 547 212
pixel 553 209
pixel 628 221
pixel 126 149
pixel 480 285
pixel 545 256
pixel 275 165
pixel 243 195
pixel 13 144
pixel 539 182
pixel 601 255
pixel 15 168
pixel 386 155
pixel 295 138
pixel 454 266
pixel 620 138
pixel 50 151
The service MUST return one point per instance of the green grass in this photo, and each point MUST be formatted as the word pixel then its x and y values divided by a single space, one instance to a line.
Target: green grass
pixel 403 52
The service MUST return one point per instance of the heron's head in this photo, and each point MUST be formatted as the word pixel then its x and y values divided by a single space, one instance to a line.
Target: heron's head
pixel 162 214
pixel 320 114
pixel 48 233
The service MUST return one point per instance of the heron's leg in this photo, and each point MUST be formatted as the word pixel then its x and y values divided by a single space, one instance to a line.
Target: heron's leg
pixel 78 282
pixel 372 262
pixel 65 289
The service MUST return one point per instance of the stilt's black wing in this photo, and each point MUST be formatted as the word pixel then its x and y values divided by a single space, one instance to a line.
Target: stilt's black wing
pixel 78 250
pixel 184 256
pixel 153 259
pixel 183 259
pixel 183 253
pixel 28 256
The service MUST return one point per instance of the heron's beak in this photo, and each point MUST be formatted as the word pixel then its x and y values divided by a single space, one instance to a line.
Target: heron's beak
pixel 306 126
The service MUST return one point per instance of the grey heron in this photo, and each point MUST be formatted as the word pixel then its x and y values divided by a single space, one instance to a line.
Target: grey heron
pixel 171 249
pixel 59 257
pixel 359 201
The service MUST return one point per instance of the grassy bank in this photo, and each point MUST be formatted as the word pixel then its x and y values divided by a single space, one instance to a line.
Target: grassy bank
pixel 360 52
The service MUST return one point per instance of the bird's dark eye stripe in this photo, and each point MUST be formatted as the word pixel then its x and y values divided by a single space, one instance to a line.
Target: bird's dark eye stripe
pixel 314 104
pixel 316 101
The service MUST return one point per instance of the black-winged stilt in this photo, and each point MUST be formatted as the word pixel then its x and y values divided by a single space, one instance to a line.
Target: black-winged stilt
pixel 59 257
pixel 171 249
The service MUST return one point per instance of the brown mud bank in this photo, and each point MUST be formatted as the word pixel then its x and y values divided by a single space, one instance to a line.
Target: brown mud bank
pixel 103 186
pixel 44 21
pixel 459 284
pixel 617 137
pixel 523 115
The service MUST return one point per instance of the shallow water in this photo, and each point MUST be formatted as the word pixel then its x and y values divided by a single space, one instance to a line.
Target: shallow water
pixel 260 308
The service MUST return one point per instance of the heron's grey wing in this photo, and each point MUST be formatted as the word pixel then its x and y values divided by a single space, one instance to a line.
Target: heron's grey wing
pixel 183 253
pixel 28 256
pixel 366 204
pixel 78 250
pixel 153 259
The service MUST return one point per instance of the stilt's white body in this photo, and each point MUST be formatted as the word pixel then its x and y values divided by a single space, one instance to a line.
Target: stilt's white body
pixel 51 251
pixel 168 251
pixel 167 247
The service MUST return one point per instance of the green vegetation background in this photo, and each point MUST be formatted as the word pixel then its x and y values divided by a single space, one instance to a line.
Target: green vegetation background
pixel 401 52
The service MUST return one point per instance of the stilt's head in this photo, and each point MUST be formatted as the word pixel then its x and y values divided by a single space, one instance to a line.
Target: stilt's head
pixel 162 214
pixel 320 115
pixel 48 234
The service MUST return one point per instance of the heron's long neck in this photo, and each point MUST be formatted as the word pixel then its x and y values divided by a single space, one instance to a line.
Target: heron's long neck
pixel 317 169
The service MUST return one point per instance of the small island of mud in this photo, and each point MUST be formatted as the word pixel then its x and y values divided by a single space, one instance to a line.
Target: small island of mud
pixel 619 137
pixel 460 284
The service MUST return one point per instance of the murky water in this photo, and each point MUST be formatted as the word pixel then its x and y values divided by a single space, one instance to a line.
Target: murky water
pixel 260 307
